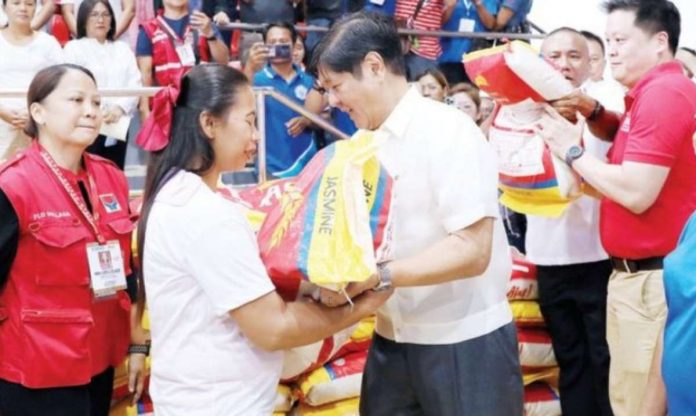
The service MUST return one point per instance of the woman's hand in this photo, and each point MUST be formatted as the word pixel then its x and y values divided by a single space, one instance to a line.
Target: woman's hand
pixel 112 114
pixel 136 375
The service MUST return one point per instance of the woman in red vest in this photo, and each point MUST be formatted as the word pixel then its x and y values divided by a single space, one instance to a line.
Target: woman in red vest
pixel 65 229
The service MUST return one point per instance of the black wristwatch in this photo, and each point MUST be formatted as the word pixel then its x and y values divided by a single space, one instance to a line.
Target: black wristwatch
pixel 573 154
pixel 596 111
pixel 211 38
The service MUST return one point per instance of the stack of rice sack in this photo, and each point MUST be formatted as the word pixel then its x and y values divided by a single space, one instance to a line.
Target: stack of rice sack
pixel 539 367
pixel 532 179
pixel 332 389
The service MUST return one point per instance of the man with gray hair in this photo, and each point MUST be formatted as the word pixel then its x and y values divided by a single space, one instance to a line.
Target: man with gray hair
pixel 445 343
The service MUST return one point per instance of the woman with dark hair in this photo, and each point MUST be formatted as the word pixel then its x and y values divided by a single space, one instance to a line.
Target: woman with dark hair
pixel 218 326
pixel 23 52
pixel 433 84
pixel 114 66
pixel 65 230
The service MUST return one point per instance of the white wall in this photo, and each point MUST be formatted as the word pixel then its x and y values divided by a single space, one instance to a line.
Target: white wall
pixel 588 15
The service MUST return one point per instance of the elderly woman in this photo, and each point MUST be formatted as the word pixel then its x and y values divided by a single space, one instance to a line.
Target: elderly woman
pixel 114 66
pixel 23 52
pixel 65 318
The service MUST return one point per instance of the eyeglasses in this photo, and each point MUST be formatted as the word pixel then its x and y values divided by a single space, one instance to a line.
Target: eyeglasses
pixel 97 16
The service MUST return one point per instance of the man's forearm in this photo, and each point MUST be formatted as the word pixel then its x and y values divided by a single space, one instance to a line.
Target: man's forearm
pixel 463 254
pixel 218 50
pixel 605 126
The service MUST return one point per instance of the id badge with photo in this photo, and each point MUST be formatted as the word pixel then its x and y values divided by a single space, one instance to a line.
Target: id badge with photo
pixel 467 25
pixel 106 268
pixel 186 55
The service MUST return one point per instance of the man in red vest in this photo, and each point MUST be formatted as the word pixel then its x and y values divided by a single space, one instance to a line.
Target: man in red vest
pixel 174 41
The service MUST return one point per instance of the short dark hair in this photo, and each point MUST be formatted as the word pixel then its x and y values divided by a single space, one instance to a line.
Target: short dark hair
pixel 83 14
pixel 212 88
pixel 344 47
pixel 591 37
pixel 652 16
pixel 435 73
pixel 43 84
pixel 283 25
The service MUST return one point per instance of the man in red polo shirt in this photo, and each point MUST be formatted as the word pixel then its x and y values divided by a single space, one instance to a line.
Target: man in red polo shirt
pixel 648 184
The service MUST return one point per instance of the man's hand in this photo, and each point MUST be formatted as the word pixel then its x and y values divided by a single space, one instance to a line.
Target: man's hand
pixel 333 298
pixel 221 18
pixel 202 23
pixel 574 103
pixel 136 376
pixel 297 125
pixel 112 114
pixel 258 56
pixel 559 133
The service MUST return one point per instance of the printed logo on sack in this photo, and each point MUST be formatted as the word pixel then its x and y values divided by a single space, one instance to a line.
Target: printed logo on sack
pixel 110 203
pixel 301 92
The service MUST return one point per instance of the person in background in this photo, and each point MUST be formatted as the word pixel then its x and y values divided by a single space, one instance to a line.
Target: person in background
pixel 23 52
pixel 648 184
pixel 299 53
pixel 598 60
pixel 263 12
pixel 113 65
pixel 322 13
pixel 385 7
pixel 444 343
pixel 216 319
pixel 511 16
pixel 687 58
pixel 467 99
pixel 67 318
pixel 463 18
pixel 289 145
pixel 173 42
pixel 422 15
pixel 487 106
pixel 572 267
pixel 433 84
pixel 123 14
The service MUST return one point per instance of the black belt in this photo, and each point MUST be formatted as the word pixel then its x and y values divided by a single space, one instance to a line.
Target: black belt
pixel 634 266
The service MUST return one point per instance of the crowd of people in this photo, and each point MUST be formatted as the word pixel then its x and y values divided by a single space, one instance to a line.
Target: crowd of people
pixel 615 270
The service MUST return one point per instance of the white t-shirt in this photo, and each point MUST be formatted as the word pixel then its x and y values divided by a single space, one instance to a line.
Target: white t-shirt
pixel 573 238
pixel 113 65
pixel 19 64
pixel 200 262
pixel 445 180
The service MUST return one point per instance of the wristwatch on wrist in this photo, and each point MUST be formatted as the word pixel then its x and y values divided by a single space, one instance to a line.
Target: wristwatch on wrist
pixel 211 38
pixel 573 154
pixel 385 277
pixel 596 111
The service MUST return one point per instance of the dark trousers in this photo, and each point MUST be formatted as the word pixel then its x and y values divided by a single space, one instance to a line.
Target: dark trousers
pixel 93 399
pixel 477 377
pixel 115 153
pixel 454 72
pixel 573 301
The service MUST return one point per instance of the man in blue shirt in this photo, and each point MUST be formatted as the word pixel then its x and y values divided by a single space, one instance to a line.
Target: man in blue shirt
pixel 288 146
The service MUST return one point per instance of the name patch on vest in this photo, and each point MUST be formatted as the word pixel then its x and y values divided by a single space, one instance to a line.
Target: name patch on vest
pixel 50 214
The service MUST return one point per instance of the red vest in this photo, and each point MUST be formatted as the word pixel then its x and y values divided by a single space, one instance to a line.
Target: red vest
pixel 165 61
pixel 53 332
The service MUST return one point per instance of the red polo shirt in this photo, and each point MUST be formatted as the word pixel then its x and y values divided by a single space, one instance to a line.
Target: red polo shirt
pixel 657 128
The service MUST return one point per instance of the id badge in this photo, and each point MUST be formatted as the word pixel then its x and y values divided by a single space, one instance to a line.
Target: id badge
pixel 377 2
pixel 186 55
pixel 106 268
pixel 467 25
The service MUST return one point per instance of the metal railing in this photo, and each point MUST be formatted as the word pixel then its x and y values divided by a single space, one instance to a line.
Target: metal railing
pixel 260 92
pixel 258 27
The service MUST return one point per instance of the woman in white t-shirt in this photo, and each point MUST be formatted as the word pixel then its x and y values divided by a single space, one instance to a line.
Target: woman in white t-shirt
pixel 218 326
pixel 23 53
pixel 112 63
